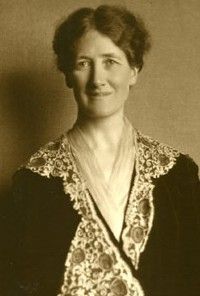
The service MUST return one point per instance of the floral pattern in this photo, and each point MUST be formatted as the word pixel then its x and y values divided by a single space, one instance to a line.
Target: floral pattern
pixel 94 265
pixel 153 160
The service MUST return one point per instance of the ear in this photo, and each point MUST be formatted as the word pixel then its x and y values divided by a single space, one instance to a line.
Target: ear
pixel 133 76
pixel 68 80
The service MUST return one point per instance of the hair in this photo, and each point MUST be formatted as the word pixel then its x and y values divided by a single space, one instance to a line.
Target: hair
pixel 120 25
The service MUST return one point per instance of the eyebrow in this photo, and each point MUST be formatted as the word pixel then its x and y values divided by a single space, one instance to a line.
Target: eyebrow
pixel 109 55
pixel 105 55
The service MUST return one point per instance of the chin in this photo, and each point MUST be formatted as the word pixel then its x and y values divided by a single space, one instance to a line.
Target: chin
pixel 99 114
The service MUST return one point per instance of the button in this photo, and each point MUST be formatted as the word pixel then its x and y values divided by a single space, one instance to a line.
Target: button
pixel 36 162
pixel 78 256
pixel 105 261
pixel 118 287
pixel 144 206
pixel 137 234
pixel 164 160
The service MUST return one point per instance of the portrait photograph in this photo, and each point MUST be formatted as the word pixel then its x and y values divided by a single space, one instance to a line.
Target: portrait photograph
pixel 99 148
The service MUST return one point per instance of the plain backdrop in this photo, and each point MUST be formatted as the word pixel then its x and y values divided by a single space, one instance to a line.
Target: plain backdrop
pixel 35 105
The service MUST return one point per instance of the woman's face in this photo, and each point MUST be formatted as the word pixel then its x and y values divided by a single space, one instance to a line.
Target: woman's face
pixel 101 76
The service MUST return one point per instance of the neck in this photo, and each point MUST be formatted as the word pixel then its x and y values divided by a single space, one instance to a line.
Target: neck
pixel 102 133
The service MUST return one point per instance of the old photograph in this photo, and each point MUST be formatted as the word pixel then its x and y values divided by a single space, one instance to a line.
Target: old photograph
pixel 99 153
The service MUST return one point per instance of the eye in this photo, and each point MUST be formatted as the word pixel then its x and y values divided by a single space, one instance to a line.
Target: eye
pixel 82 64
pixel 110 62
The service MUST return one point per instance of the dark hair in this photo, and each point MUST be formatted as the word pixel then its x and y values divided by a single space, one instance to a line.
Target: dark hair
pixel 120 25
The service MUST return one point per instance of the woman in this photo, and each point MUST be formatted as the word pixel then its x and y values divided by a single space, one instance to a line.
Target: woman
pixel 104 210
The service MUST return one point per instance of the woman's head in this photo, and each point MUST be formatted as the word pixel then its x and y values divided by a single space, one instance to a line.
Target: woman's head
pixel 121 26
pixel 100 52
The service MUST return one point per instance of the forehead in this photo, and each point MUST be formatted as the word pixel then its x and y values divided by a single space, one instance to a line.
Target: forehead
pixel 93 44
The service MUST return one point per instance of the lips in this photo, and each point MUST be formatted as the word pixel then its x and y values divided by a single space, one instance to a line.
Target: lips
pixel 99 94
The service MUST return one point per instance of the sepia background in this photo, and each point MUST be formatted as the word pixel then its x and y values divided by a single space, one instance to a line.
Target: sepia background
pixel 35 105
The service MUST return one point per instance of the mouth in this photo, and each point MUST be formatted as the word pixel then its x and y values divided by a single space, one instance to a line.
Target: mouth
pixel 99 94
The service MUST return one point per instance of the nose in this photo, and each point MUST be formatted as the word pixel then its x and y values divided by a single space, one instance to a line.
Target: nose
pixel 98 75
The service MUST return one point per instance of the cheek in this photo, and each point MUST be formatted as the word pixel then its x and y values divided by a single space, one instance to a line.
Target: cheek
pixel 121 83
pixel 79 80
pixel 121 79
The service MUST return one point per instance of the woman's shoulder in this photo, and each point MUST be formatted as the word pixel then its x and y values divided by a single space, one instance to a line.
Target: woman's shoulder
pixel 48 160
pixel 40 178
pixel 35 174
pixel 163 158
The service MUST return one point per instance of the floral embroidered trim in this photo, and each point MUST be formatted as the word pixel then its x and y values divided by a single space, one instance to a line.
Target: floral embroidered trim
pixel 153 160
pixel 94 265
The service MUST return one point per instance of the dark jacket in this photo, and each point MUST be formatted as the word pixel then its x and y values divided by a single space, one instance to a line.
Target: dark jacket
pixel 40 223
